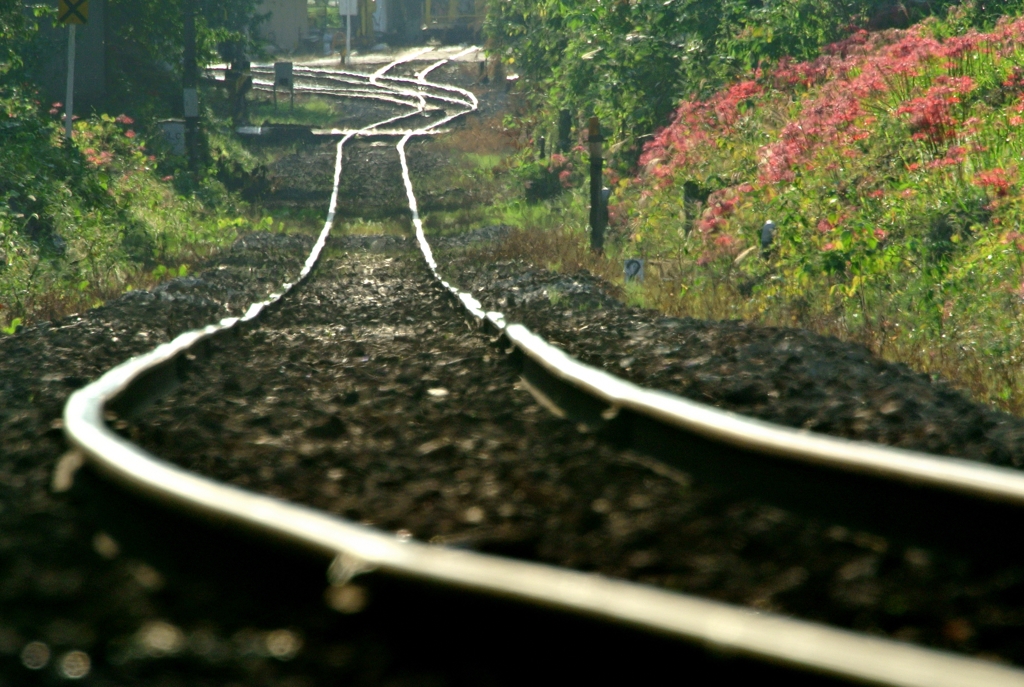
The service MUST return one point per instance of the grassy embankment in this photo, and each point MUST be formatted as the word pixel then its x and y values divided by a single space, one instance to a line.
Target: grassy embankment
pixel 892 167
pixel 116 211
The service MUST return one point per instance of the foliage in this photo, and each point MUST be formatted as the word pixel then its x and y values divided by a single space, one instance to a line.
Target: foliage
pixel 891 165
pixel 19 22
pixel 630 61
pixel 144 41
pixel 147 40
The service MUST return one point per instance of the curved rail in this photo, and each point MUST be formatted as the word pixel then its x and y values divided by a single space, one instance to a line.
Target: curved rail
pixel 356 548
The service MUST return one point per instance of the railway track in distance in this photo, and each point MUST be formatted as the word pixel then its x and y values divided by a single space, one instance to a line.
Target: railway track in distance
pixel 910 495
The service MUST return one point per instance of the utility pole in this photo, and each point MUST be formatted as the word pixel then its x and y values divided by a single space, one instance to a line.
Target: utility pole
pixel 190 83
pixel 598 214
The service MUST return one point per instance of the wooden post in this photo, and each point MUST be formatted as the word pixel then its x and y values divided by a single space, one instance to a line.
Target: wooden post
pixel 597 214
pixel 564 130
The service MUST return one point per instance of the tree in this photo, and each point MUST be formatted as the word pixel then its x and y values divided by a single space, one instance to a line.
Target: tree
pixel 147 39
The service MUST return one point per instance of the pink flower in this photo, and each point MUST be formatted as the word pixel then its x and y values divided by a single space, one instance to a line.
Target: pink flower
pixel 824 226
pixel 830 246
pixel 129 134
pixel 877 193
pixel 168 177
pixel 124 119
pixel 880 234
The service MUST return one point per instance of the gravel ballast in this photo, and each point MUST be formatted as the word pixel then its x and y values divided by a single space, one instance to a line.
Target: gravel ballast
pixel 369 397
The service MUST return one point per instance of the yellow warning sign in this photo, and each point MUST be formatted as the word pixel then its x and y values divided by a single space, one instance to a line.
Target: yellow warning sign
pixel 73 11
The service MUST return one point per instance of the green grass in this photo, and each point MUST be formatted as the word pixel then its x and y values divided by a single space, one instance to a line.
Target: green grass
pixel 308 110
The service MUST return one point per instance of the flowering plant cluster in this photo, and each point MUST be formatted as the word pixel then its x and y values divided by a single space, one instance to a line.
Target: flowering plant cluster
pixel 80 223
pixel 889 165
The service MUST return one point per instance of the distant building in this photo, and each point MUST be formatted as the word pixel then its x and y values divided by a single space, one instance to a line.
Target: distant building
pixel 288 23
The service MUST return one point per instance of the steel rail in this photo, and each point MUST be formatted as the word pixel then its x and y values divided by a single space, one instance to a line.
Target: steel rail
pixel 808 646
pixel 267 86
pixel 422 90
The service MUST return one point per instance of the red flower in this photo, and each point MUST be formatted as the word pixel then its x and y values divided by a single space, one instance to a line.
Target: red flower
pixel 929 115
pixel 998 180
pixel 124 119
pixel 130 133
pixel 880 234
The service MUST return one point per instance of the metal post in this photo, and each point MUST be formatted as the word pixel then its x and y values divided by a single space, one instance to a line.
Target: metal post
pixel 69 101
pixel 189 83
pixel 598 219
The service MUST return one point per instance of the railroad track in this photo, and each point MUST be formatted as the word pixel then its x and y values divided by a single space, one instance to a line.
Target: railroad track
pixel 913 495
